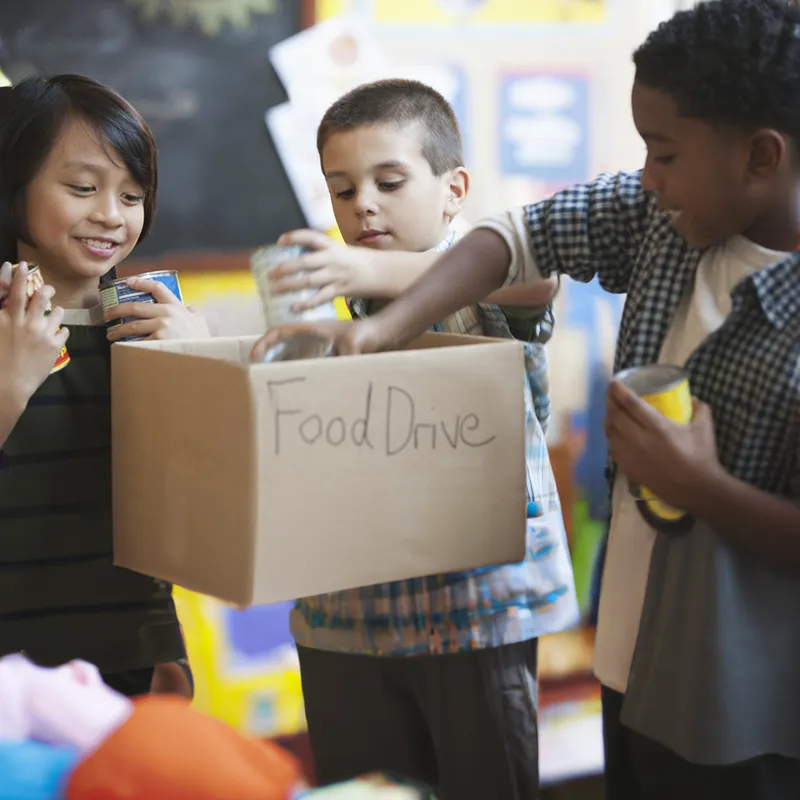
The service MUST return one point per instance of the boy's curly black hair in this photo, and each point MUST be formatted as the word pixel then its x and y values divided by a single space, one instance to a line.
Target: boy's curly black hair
pixel 729 62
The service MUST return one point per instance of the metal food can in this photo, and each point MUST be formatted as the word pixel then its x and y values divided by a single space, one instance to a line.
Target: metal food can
pixel 116 292
pixel 664 387
pixel 35 282
pixel 300 347
pixel 278 307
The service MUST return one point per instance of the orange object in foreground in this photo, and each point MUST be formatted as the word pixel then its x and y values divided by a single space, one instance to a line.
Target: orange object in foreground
pixel 169 751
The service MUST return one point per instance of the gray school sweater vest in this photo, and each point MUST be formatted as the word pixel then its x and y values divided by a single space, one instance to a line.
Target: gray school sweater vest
pixel 60 596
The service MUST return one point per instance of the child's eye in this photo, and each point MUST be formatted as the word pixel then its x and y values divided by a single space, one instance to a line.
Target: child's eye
pixel 133 199
pixel 390 186
pixel 665 160
pixel 82 189
pixel 344 195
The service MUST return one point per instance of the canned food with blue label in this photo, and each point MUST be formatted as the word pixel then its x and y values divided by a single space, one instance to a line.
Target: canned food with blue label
pixel 117 292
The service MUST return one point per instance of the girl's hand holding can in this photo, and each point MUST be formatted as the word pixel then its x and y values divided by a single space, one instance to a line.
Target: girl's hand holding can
pixel 30 337
pixel 166 318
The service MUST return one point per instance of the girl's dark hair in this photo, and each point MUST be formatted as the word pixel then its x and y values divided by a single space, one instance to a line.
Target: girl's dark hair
pixel 32 116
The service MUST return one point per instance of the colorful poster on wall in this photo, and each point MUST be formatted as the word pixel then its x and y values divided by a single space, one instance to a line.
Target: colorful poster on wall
pixel 458 99
pixel 544 127
pixel 244 664
pixel 317 66
pixel 472 12
pixel 585 338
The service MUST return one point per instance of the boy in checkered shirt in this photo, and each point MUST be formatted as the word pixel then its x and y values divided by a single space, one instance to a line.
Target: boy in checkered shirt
pixel 433 678
pixel 698 643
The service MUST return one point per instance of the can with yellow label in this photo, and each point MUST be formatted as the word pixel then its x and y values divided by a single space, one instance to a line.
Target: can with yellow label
pixel 35 282
pixel 664 387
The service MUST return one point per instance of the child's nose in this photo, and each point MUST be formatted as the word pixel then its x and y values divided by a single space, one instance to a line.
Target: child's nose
pixel 365 204
pixel 108 213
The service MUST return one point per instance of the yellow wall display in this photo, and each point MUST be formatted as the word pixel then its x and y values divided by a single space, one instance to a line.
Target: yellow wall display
pixel 243 663
pixel 443 12
pixel 198 287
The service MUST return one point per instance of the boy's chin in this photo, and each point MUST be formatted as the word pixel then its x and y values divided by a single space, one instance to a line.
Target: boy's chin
pixel 698 237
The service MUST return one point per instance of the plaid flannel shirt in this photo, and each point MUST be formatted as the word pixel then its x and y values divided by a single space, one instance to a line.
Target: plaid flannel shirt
pixel 748 371
pixel 713 675
pixel 468 610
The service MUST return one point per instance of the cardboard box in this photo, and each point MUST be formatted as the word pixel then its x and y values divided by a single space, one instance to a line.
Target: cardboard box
pixel 266 482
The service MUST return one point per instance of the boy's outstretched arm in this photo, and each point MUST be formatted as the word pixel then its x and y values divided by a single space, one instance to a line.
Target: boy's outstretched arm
pixel 334 269
pixel 589 230
pixel 471 270
pixel 463 275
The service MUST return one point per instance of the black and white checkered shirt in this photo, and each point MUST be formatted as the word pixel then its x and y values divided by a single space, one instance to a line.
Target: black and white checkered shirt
pixel 748 370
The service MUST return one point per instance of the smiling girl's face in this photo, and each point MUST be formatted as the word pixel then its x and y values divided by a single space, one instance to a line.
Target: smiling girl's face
pixel 84 211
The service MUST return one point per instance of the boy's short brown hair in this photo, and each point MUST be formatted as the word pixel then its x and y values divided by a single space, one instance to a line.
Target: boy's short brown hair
pixel 399 102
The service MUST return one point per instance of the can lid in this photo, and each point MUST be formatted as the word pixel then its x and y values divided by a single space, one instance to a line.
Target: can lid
pixel 31 268
pixel 301 346
pixel 652 378
pixel 269 256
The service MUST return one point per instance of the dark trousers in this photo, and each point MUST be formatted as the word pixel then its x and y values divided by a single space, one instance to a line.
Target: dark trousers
pixel 463 724
pixel 637 768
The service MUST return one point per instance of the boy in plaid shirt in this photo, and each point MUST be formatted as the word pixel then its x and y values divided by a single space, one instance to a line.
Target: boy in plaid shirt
pixel 433 678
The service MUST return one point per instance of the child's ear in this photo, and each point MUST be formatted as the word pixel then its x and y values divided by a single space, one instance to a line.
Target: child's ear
pixel 457 188
pixel 767 153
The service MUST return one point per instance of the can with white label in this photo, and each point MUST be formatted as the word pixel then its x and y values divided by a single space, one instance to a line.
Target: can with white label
pixel 278 307
pixel 35 282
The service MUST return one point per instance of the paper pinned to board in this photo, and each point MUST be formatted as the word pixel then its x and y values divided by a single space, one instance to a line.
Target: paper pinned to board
pixel 293 129
pixel 317 66
pixel 328 59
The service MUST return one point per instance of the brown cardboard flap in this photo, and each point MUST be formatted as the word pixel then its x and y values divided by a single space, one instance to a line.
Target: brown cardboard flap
pixel 183 457
pixel 235 349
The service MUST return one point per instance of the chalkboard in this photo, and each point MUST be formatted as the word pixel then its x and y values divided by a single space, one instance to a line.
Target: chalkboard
pixel 200 75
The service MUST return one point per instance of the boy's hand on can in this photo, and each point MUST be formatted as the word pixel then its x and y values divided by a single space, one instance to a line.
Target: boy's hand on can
pixel 30 338
pixel 674 461
pixel 349 338
pixel 167 318
pixel 332 268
